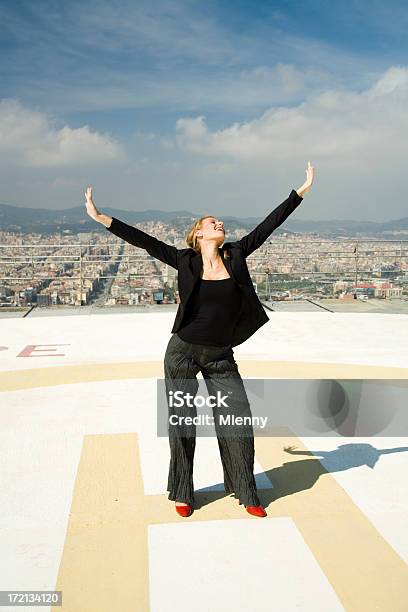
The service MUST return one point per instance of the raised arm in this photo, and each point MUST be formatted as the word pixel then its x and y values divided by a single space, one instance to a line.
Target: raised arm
pixel 261 232
pixel 167 253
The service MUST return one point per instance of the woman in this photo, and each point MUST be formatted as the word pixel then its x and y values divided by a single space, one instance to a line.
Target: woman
pixel 218 310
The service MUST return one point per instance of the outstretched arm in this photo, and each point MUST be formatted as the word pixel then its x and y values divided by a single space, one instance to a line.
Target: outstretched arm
pixel 252 241
pixel 167 253
pixel 261 232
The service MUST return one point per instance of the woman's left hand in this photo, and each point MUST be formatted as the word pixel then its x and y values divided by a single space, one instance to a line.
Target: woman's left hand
pixel 309 180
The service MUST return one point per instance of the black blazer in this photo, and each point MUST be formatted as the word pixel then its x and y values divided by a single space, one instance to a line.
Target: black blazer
pixel 188 263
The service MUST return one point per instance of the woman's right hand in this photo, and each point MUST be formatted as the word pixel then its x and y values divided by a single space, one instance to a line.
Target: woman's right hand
pixel 91 209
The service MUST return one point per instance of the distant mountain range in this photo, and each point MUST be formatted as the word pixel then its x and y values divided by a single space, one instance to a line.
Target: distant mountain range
pixel 74 220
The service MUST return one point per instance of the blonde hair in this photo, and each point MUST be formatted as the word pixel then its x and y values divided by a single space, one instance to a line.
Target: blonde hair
pixel 191 238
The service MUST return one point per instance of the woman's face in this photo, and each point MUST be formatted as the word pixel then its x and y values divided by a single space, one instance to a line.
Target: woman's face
pixel 211 229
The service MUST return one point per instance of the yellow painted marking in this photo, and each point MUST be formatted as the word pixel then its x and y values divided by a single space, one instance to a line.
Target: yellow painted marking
pixel 104 565
pixel 105 560
pixel 13 380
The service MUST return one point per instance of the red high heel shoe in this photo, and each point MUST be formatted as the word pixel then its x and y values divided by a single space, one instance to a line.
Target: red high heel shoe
pixel 184 510
pixel 256 510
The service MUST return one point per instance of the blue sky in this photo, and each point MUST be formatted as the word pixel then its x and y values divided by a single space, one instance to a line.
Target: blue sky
pixel 214 107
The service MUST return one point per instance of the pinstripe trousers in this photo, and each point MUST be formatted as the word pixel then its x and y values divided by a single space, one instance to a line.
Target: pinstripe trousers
pixel 182 362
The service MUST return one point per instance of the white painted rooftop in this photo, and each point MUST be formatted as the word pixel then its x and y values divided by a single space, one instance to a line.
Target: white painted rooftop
pixel 84 504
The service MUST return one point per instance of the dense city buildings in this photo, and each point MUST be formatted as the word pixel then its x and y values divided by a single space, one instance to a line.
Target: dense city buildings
pixel 98 268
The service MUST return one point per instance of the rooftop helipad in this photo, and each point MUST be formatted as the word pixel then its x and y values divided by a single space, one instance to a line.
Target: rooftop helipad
pixel 84 506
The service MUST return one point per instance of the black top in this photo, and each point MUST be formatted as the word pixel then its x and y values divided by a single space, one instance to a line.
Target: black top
pixel 213 312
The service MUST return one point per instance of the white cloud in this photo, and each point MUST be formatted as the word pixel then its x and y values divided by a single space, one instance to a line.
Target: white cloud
pixel 357 141
pixel 28 138
pixel 396 78
pixel 350 128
